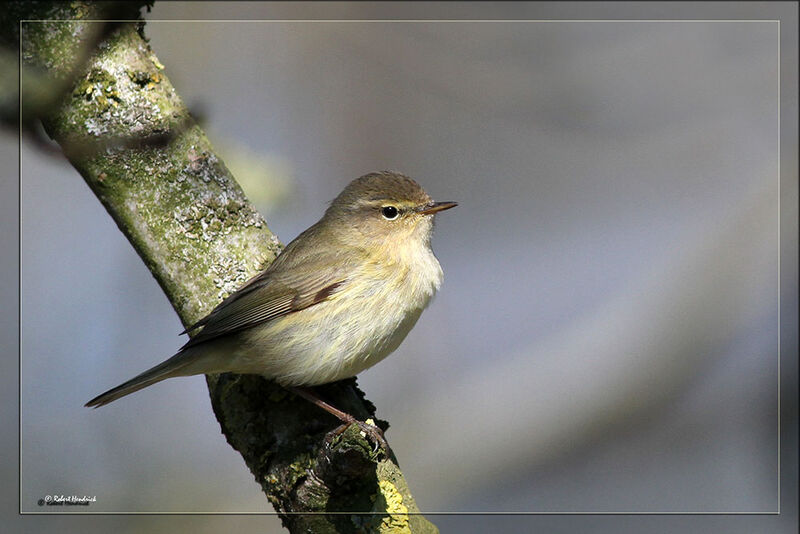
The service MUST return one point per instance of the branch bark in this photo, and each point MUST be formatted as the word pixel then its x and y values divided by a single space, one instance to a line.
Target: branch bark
pixel 124 128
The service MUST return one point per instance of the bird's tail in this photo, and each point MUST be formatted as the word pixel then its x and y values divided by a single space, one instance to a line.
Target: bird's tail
pixel 178 365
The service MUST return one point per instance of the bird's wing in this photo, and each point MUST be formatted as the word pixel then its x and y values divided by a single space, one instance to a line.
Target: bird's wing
pixel 276 292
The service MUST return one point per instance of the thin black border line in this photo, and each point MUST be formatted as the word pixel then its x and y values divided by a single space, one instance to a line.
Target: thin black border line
pixel 779 264
pixel 523 513
pixel 19 264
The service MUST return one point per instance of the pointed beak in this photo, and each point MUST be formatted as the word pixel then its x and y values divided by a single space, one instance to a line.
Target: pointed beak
pixel 433 207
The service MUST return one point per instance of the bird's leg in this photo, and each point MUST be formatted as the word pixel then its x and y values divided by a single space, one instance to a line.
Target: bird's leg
pixel 371 430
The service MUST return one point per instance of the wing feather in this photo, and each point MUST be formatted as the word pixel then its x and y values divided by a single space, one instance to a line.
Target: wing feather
pixel 285 287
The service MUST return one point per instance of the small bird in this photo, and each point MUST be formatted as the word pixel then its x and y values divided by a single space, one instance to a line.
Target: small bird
pixel 339 298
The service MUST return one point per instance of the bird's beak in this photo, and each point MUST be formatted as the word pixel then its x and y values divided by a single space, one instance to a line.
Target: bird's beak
pixel 433 207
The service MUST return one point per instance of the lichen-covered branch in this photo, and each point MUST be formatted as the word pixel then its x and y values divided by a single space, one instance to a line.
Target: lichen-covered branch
pixel 123 127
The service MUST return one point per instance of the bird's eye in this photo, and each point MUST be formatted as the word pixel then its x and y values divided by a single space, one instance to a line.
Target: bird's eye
pixel 389 212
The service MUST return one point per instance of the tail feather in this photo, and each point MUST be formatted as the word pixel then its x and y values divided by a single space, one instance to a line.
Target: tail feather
pixel 175 366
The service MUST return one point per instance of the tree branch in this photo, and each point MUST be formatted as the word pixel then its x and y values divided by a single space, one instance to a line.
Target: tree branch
pixel 124 128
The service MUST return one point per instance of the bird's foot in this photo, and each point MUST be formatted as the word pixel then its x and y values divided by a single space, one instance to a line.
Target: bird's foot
pixel 368 429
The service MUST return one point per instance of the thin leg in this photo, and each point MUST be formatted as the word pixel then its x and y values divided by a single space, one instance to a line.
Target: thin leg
pixel 372 431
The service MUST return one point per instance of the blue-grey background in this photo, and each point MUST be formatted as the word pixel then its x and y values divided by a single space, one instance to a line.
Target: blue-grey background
pixel 606 339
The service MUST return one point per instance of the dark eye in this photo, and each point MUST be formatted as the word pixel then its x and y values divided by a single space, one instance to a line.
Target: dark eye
pixel 389 212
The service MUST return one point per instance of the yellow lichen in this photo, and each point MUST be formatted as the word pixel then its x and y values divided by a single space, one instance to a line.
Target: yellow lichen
pixel 397 518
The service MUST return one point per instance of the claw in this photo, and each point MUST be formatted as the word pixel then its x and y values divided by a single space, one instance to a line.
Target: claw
pixel 369 431
pixel 368 427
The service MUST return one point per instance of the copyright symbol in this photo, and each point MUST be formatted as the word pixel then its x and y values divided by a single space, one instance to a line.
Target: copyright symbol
pixel 41 502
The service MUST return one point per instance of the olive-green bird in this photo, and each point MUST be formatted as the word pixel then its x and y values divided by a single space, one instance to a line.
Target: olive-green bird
pixel 339 298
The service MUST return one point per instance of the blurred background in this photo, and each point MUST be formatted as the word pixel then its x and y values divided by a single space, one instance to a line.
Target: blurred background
pixel 607 335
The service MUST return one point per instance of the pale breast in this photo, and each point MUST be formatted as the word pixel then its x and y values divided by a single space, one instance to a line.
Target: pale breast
pixel 353 330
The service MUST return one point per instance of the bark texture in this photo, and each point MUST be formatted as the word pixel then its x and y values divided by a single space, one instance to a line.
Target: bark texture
pixel 121 124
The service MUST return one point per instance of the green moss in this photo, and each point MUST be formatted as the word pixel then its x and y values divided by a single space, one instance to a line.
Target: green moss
pixel 303 462
pixel 96 92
